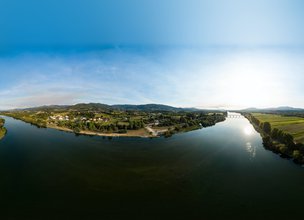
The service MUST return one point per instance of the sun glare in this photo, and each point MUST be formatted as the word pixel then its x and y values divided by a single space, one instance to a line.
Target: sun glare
pixel 244 81
pixel 248 130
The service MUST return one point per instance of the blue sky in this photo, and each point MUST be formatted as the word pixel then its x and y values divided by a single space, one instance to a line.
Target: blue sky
pixel 177 52
pixel 75 23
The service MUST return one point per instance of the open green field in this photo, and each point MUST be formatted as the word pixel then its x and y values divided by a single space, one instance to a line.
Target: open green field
pixel 289 124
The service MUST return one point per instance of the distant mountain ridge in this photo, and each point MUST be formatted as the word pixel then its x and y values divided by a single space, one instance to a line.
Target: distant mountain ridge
pixel 144 107
pixel 151 107
pixel 281 108
pixel 105 107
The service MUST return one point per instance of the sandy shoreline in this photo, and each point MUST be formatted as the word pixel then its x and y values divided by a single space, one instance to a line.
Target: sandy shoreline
pixel 136 133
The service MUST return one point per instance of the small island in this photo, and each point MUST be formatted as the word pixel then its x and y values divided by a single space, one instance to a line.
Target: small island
pixel 150 120
pixel 2 128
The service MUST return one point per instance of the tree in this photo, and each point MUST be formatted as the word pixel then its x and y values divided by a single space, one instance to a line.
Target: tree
pixel 2 121
pixel 267 142
pixel 92 126
pixel 296 155
pixel 76 130
pixel 275 133
pixel 288 139
pixel 301 147
pixel 266 127
pixel 183 120
pixel 283 149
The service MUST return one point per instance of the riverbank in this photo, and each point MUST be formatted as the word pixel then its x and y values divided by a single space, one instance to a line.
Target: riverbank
pixel 2 128
pixel 136 133
pixel 278 141
pixel 146 132
pixel 137 124
pixel 2 132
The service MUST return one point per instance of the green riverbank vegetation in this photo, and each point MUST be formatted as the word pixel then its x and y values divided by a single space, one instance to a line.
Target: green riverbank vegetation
pixel 2 128
pixel 281 134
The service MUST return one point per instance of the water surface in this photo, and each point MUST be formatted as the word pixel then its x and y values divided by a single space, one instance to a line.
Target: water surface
pixel 217 172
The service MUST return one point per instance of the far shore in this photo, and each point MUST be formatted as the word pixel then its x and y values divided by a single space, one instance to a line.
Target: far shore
pixel 146 132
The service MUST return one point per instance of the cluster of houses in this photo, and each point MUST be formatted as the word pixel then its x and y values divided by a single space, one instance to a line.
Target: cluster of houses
pixel 67 118
pixel 155 123
pixel 97 119
pixel 60 118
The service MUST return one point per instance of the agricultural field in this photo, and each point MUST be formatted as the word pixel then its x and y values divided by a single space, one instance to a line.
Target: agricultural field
pixel 289 124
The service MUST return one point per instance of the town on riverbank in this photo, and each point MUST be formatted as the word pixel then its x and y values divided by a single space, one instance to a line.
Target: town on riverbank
pixel 121 120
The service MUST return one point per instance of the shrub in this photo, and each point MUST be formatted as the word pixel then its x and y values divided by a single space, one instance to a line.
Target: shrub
pixel 296 155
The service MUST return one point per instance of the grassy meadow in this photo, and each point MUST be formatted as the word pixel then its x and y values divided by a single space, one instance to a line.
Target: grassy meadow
pixel 289 124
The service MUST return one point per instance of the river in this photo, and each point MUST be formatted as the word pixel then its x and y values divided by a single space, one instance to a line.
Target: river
pixel 218 172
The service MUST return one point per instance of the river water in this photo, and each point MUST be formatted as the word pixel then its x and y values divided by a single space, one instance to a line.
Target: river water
pixel 218 172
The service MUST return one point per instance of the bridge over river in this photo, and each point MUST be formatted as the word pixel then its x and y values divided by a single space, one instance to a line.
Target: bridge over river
pixel 234 115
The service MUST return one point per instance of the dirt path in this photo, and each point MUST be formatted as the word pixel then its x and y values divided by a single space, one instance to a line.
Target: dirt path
pixel 151 131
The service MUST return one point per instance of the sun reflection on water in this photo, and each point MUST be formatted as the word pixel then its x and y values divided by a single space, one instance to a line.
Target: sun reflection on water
pixel 251 149
pixel 248 130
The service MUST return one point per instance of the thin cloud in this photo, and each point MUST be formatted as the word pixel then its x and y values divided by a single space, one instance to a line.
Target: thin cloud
pixel 179 77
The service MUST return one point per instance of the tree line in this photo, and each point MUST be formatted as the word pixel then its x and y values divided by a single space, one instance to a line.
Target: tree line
pixel 279 141
pixel 116 127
